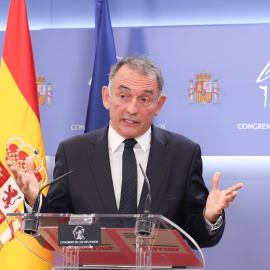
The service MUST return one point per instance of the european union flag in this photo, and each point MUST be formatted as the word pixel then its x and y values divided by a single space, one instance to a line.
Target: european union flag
pixel 97 116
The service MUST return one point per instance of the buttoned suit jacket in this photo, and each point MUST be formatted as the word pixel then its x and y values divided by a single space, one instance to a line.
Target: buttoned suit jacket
pixel 174 171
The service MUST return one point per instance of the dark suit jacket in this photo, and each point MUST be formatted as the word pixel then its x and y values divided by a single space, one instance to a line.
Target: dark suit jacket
pixel 174 170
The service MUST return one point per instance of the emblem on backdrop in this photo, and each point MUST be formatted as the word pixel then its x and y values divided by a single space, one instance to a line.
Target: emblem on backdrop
pixel 262 77
pixel 204 91
pixel 44 91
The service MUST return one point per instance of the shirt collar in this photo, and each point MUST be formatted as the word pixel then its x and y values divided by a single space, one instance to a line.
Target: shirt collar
pixel 115 139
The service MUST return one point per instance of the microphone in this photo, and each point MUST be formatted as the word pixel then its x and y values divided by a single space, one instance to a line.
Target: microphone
pixel 145 225
pixel 147 203
pixel 31 222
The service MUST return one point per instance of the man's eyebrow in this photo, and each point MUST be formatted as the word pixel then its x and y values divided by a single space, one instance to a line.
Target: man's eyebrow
pixel 122 86
pixel 149 91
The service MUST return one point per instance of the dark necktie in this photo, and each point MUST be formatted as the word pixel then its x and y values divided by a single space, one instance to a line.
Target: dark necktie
pixel 128 200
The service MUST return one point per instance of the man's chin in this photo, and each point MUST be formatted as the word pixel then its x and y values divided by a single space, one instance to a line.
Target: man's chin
pixel 129 132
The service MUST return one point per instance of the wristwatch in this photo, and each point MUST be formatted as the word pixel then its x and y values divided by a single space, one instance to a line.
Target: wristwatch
pixel 217 224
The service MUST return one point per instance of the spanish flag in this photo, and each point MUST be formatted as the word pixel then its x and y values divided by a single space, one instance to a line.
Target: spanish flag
pixel 20 136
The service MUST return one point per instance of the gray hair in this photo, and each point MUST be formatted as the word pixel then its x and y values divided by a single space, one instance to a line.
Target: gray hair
pixel 140 63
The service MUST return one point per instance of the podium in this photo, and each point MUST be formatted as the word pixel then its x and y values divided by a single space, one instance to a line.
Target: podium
pixel 107 241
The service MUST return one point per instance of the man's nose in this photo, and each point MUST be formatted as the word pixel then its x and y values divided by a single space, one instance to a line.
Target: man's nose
pixel 133 106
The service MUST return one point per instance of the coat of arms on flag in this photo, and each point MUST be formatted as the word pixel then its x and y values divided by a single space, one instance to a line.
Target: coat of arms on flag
pixel 203 91
pixel 10 199
pixel 10 195
pixel 17 150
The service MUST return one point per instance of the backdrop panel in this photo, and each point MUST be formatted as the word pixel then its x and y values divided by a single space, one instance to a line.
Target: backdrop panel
pixel 232 122
pixel 218 66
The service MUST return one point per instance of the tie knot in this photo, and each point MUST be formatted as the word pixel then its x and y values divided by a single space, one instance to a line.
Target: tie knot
pixel 129 143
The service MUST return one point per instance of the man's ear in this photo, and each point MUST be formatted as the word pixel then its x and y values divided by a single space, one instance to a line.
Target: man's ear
pixel 160 104
pixel 106 97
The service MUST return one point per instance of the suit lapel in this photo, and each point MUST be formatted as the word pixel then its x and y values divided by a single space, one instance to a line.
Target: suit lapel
pixel 158 162
pixel 98 157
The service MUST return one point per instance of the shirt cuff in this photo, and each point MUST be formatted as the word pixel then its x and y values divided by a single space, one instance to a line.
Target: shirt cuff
pixel 211 228
pixel 28 208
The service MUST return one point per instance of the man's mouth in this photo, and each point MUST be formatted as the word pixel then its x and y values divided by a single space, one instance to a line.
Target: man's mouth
pixel 130 121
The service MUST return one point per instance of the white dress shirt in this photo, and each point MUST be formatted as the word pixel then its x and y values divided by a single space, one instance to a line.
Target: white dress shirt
pixel 116 148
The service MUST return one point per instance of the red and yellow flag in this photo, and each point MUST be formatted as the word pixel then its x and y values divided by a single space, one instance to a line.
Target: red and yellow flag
pixel 20 136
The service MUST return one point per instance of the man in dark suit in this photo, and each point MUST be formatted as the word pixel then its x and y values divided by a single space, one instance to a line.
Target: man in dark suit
pixel 172 162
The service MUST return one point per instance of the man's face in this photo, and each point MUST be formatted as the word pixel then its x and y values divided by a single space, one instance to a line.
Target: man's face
pixel 133 102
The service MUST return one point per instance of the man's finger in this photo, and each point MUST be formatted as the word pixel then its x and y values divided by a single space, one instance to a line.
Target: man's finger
pixel 13 169
pixel 215 181
pixel 234 188
pixel 29 165
pixel 233 195
pixel 19 180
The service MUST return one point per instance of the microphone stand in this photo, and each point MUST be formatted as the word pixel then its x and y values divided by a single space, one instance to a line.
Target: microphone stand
pixel 145 225
pixel 31 223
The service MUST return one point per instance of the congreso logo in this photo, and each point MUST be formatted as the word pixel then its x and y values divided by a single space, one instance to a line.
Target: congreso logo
pixel 76 127
pixel 253 126
pixel 204 90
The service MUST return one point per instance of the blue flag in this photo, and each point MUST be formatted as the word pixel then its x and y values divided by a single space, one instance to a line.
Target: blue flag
pixel 97 116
